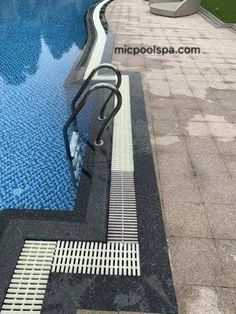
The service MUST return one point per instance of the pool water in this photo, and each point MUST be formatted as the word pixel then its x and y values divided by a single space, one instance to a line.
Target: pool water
pixel 40 41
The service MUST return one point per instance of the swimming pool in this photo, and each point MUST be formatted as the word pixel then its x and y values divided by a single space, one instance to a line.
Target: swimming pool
pixel 40 41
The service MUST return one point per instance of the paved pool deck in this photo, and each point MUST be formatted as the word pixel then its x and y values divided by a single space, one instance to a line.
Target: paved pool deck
pixel 191 106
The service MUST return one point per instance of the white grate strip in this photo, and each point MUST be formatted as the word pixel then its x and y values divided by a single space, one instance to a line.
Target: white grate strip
pixel 97 258
pixel 29 281
pixel 122 147
pixel 122 221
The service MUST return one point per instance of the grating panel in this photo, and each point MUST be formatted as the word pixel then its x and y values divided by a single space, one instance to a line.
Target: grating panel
pixel 29 281
pixel 122 147
pixel 97 258
pixel 122 221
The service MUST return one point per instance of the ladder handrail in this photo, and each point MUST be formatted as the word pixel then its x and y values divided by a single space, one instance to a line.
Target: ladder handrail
pixel 81 104
pixel 86 83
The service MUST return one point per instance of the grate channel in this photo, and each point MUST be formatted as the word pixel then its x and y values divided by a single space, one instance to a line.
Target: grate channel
pixel 29 281
pixel 122 221
pixel 122 147
pixel 96 258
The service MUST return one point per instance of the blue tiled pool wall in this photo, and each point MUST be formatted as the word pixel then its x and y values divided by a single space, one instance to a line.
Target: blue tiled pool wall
pixel 40 41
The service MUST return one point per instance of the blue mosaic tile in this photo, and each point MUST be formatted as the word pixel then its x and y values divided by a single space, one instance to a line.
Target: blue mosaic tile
pixel 40 41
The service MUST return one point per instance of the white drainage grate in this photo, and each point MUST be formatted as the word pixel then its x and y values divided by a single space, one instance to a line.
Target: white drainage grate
pixel 28 284
pixel 122 221
pixel 111 258
pixel 122 147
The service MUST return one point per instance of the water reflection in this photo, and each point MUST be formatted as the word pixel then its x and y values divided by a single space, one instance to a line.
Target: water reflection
pixel 24 23
pixel 39 43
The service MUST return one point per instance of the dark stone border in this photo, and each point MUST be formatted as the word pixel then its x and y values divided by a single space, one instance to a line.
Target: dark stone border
pixel 153 291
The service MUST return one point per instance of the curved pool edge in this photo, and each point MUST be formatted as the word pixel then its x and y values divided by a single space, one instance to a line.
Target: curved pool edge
pixel 96 23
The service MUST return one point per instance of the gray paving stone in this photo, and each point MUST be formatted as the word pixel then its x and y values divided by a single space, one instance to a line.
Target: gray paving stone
pixel 186 219
pixel 227 253
pixel 166 127
pixel 195 261
pixel 199 109
pixel 159 114
pixel 201 145
pixel 222 219
pixel 185 103
pixel 180 188
pixel 169 144
pixel 205 300
pixel 226 146
pixel 220 191
pixel 210 166
pixel 230 162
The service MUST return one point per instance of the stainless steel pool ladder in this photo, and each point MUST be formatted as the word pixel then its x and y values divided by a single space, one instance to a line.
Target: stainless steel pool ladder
pixel 86 83
pixel 76 109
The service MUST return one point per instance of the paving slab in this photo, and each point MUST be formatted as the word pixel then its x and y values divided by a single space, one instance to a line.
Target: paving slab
pixel 190 100
pixel 222 219
pixel 206 300
pixel 185 219
pixel 195 261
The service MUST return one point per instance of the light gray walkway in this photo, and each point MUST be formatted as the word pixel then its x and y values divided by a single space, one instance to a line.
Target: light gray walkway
pixel 191 103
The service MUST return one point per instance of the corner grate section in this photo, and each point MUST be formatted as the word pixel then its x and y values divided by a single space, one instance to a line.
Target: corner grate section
pixel 122 221
pixel 96 258
pixel 28 284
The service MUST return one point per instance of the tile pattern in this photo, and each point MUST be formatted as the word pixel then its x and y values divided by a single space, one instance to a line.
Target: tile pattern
pixel 190 103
